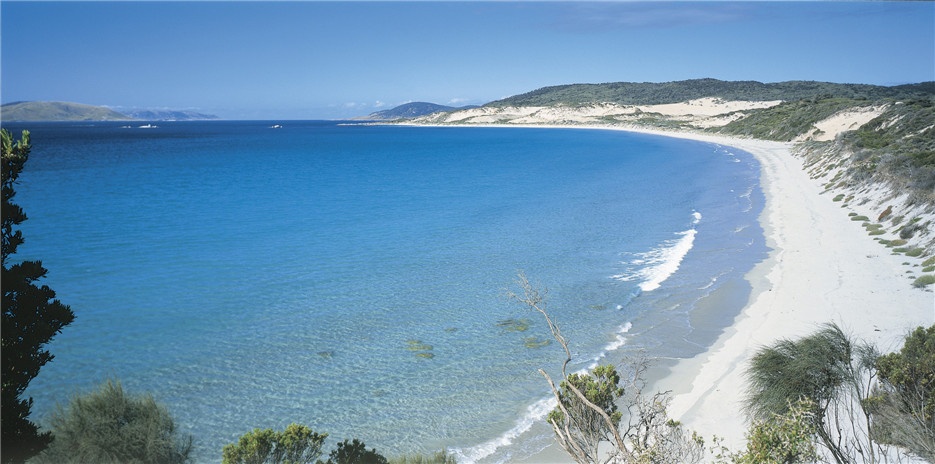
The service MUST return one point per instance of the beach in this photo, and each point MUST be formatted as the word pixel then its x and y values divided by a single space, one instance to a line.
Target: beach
pixel 822 267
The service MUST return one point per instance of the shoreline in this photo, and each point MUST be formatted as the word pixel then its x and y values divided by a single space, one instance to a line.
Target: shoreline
pixel 821 267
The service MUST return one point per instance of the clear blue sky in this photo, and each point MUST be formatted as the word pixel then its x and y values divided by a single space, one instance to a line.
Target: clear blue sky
pixel 329 60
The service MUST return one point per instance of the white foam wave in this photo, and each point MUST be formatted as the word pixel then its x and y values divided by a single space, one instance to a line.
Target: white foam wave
pixel 620 339
pixel 534 413
pixel 659 264
pixel 709 284
pixel 746 196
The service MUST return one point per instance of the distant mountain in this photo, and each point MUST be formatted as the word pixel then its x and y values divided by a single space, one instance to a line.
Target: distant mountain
pixel 58 111
pixel 412 110
pixel 168 115
pixel 66 111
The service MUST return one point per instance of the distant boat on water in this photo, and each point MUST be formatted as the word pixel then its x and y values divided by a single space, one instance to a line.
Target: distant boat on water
pixel 276 126
pixel 148 126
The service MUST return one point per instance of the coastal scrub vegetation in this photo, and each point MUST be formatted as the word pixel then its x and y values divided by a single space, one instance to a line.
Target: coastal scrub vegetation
pixel 647 93
pixel 831 372
pixel 298 444
pixel 904 401
pixel 788 119
pixel 31 318
pixel 858 402
pixel 113 426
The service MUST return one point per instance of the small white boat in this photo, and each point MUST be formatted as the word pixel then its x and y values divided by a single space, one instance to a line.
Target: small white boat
pixel 276 126
pixel 148 126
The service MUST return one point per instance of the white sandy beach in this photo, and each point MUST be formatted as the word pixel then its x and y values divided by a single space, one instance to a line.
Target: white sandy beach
pixel 822 267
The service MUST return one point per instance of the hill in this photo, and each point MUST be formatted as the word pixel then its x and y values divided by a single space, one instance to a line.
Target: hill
pixel 169 115
pixel 58 111
pixel 649 93
pixel 411 110
pixel 66 111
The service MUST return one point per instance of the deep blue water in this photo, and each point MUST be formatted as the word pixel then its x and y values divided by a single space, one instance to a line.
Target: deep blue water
pixel 252 277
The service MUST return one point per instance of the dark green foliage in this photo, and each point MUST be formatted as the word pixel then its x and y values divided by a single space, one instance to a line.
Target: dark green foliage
pixel 111 426
pixel 31 318
pixel 355 452
pixel 601 387
pixel 297 444
pixel 646 93
pixel 905 401
pixel 579 420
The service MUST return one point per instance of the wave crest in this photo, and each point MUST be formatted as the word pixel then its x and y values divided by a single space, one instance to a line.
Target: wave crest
pixel 655 266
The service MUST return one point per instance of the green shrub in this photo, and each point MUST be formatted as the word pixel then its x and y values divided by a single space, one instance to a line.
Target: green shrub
pixel 929 262
pixel 903 406
pixel 111 426
pixel 439 457
pixel 894 243
pixel 860 218
pixel 355 452
pixel 915 252
pixel 924 281
pixel 297 443
pixel 838 197
pixel 785 438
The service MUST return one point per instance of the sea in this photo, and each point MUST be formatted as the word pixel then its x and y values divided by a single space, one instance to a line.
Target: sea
pixel 356 278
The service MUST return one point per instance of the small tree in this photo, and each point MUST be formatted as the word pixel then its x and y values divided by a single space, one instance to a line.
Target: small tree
pixel 588 429
pixel 904 403
pixel 783 439
pixel 586 413
pixel 297 444
pixel 836 375
pixel 31 318
pixel 112 426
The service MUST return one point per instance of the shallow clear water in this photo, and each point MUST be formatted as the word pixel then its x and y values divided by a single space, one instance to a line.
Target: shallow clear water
pixel 252 277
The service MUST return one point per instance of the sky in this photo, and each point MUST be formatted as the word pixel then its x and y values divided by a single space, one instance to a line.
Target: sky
pixel 336 60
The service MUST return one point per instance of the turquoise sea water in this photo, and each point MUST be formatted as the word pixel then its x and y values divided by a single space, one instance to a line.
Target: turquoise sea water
pixel 252 277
